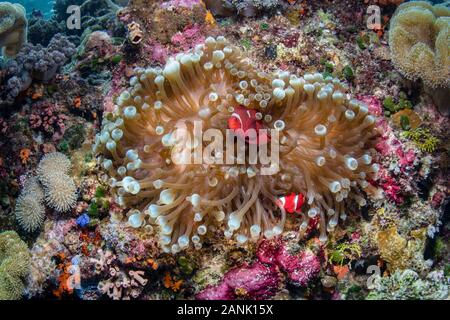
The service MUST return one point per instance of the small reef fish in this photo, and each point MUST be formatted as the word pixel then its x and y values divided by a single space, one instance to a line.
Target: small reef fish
pixel 292 203
pixel 242 120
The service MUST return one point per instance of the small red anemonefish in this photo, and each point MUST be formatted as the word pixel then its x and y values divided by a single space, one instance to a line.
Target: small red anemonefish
pixel 292 202
pixel 242 120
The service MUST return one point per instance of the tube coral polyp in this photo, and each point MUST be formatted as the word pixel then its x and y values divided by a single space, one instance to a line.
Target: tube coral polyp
pixel 325 148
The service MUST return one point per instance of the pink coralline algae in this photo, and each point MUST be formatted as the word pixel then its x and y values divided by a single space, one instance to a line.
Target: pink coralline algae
pixel 261 279
pixel 300 268
pixel 189 38
pixel 48 118
pixel 406 158
pixel 257 282
pixel 180 3
pixel 157 52
pixel 373 104
pixel 392 189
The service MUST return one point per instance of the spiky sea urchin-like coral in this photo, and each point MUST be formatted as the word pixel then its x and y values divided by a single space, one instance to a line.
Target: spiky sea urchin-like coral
pixel 30 211
pixel 60 189
pixel 53 162
pixel 326 141
pixel 419 39
pixel 14 265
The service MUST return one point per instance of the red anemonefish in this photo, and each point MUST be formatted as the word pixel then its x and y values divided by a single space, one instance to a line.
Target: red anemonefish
pixel 242 120
pixel 292 202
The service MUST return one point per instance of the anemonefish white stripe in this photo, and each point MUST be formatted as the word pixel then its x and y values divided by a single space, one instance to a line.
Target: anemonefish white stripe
pixel 237 116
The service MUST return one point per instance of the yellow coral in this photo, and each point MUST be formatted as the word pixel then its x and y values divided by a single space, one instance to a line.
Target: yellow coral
pixel 401 253
pixel 13 28
pixel 419 39
pixel 392 247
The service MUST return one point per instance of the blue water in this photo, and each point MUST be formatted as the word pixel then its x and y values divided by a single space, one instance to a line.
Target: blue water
pixel 45 6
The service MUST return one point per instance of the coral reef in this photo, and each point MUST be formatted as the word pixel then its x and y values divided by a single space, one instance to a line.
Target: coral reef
pixel 419 42
pixel 115 171
pixel 14 265
pixel 13 28
pixel 34 63
pixel 244 8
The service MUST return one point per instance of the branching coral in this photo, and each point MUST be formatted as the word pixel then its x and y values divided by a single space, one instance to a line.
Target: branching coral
pixel 30 211
pixel 325 148
pixel 60 189
pixel 14 265
pixel 419 41
pixel 13 28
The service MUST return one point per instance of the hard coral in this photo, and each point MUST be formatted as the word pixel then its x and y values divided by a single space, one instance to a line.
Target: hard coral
pixel 13 28
pixel 325 151
pixel 14 265
pixel 419 41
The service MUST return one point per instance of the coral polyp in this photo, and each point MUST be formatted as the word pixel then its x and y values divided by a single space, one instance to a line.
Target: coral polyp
pixel 323 138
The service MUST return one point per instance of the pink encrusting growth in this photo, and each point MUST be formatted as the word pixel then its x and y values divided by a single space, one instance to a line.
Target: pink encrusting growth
pixel 49 118
pixel 257 282
pixel 188 38
pixel 262 279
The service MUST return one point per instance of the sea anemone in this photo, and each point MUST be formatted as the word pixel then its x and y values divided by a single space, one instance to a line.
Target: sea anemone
pixel 325 143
